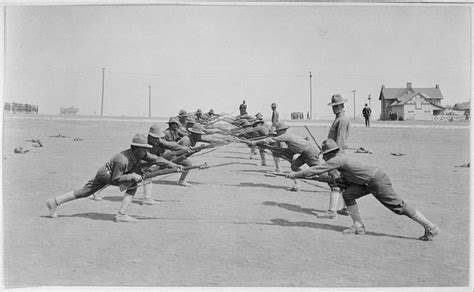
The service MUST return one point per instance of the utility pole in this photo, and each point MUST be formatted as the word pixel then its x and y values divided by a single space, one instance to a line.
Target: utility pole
pixel 149 101
pixel 354 91
pixel 369 101
pixel 102 103
pixel 310 97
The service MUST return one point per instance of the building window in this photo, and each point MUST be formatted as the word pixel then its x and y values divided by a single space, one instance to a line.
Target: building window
pixel 418 103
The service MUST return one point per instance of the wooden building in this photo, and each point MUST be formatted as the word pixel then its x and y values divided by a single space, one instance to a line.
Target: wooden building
pixel 410 103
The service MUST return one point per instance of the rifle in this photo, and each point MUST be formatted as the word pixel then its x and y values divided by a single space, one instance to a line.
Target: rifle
pixel 182 154
pixel 314 140
pixel 148 175
pixel 275 174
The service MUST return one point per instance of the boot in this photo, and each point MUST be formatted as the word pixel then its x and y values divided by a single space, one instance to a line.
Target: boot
pixel 357 225
pixel 262 157
pixel 276 160
pixel 124 218
pixel 147 199
pixel 122 213
pixel 182 179
pixel 431 230
pixel 296 186
pixel 53 204
pixel 333 199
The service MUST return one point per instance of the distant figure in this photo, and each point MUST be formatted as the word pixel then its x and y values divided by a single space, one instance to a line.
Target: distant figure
pixel 275 116
pixel 243 108
pixel 366 111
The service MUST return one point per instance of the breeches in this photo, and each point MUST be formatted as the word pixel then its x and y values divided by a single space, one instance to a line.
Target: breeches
pixel 381 188
pixel 101 180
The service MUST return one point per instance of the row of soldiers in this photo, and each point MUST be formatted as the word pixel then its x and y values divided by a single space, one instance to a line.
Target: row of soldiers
pixel 171 148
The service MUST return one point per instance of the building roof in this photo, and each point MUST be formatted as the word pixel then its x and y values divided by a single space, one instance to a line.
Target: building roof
pixel 407 97
pixel 462 106
pixel 402 93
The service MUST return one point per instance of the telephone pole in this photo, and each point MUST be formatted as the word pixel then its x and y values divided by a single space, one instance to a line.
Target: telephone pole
pixel 369 101
pixel 354 91
pixel 102 103
pixel 310 97
pixel 149 101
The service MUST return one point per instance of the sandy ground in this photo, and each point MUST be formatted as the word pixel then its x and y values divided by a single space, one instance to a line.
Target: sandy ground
pixel 234 226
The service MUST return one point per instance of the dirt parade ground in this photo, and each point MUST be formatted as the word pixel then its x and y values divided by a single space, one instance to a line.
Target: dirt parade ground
pixel 235 227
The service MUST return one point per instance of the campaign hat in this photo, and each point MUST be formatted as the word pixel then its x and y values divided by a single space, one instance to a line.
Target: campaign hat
pixel 258 121
pixel 155 131
pixel 197 129
pixel 280 126
pixel 328 145
pixel 139 140
pixel 182 113
pixel 337 99
pixel 173 120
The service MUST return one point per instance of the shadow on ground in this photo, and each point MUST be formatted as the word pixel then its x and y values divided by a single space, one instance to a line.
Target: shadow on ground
pixel 101 216
pixel 284 222
pixel 294 208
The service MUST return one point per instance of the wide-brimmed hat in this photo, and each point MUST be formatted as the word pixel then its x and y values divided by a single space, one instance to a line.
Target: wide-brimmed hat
pixel 280 126
pixel 257 121
pixel 259 115
pixel 190 120
pixel 329 145
pixel 274 104
pixel 199 111
pixel 155 131
pixel 140 140
pixel 197 129
pixel 337 99
pixel 182 113
pixel 173 120
pixel 211 111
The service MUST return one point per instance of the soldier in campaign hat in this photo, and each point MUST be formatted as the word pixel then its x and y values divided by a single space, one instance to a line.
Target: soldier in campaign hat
pixel 308 153
pixel 121 168
pixel 174 132
pixel 275 116
pixel 166 150
pixel 361 180
pixel 338 132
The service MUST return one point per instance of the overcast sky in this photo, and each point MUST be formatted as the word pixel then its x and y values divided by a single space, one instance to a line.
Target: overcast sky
pixel 215 56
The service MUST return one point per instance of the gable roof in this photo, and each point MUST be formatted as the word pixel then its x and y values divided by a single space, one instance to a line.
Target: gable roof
pixel 406 98
pixel 402 93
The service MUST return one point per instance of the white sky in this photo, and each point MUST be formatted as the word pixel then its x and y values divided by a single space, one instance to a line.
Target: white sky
pixel 214 56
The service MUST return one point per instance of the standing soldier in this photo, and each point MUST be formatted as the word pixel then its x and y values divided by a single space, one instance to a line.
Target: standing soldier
pixel 338 132
pixel 182 117
pixel 275 116
pixel 243 108
pixel 121 168
pixel 360 180
pixel 366 112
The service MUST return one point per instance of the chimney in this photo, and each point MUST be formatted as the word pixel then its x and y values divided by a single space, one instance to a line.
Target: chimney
pixel 383 86
pixel 408 85
pixel 437 86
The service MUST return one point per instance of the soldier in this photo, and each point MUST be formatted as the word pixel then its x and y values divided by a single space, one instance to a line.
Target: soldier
pixel 121 168
pixel 366 112
pixel 182 117
pixel 361 180
pixel 308 152
pixel 338 132
pixel 261 130
pixel 275 116
pixel 199 117
pixel 174 132
pixel 164 149
pixel 243 108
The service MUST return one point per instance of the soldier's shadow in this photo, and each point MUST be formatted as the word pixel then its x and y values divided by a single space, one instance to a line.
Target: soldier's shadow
pixel 100 216
pixel 134 201
pixel 294 208
pixel 260 185
pixel 284 222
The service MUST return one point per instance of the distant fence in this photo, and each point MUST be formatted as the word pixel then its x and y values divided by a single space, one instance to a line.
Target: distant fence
pixel 450 118
pixel 20 108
